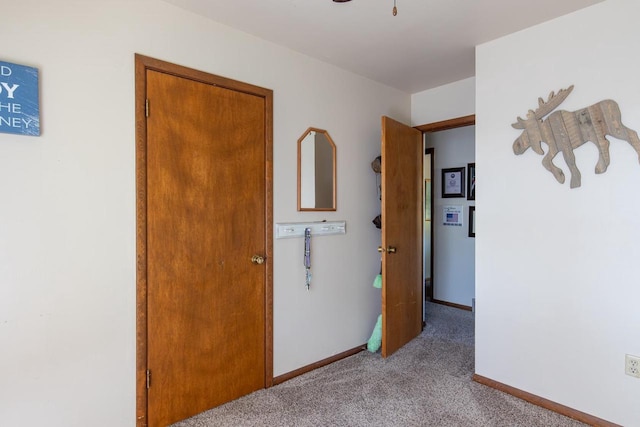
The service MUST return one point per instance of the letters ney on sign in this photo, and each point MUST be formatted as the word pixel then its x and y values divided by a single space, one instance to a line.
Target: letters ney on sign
pixel 19 100
pixel 563 131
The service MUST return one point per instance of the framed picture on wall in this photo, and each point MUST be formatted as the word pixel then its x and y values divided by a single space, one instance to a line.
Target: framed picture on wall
pixel 471 181
pixel 472 221
pixel 453 182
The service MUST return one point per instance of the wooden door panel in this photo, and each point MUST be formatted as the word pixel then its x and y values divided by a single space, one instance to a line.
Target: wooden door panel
pixel 205 219
pixel 402 230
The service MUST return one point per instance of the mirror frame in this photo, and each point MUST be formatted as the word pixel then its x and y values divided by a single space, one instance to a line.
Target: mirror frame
pixel 335 177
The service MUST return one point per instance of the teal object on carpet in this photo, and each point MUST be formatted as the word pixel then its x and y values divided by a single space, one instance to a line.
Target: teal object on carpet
pixel 377 282
pixel 375 341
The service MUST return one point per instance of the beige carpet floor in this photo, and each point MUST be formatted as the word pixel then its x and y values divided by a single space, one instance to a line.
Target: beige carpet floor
pixel 426 383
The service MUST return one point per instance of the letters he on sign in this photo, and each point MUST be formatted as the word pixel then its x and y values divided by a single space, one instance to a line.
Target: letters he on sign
pixel 19 100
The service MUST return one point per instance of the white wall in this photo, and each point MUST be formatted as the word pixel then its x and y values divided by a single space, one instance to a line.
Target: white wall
pixel 67 222
pixel 444 102
pixel 454 251
pixel 557 269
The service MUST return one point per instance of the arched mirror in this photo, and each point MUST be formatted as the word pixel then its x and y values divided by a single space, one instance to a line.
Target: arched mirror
pixel 316 171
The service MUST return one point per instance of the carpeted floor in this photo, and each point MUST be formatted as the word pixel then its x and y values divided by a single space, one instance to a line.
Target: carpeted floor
pixel 426 383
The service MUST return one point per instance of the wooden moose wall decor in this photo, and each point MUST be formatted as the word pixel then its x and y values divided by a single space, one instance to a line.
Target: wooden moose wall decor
pixel 564 131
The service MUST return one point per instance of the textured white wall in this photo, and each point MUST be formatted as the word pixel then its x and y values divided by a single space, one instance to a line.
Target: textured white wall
pixel 454 250
pixel 557 269
pixel 67 222
pixel 444 102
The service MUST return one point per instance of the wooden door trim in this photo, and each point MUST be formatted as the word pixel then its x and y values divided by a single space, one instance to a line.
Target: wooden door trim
pixel 142 65
pixel 458 122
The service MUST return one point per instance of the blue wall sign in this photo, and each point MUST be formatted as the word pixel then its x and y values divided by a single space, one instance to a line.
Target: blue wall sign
pixel 19 101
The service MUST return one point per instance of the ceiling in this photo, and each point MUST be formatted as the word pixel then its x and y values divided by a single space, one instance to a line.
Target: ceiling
pixel 428 44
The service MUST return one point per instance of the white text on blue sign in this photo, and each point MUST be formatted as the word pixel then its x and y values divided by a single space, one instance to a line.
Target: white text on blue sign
pixel 19 99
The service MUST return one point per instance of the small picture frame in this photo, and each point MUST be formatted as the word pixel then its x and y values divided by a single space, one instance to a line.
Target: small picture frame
pixel 471 181
pixel 453 182
pixel 472 221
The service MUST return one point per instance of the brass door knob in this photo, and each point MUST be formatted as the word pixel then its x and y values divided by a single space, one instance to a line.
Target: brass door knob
pixel 390 249
pixel 257 259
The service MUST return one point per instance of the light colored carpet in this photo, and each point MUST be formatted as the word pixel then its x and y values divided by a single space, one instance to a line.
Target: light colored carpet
pixel 426 383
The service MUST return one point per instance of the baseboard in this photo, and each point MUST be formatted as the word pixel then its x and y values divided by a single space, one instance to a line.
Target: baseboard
pixel 286 377
pixel 544 403
pixel 452 304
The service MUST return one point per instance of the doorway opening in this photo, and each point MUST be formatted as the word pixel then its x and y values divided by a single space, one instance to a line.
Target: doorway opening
pixel 427 229
pixel 434 275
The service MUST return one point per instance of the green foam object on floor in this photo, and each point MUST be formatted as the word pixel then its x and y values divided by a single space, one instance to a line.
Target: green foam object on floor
pixel 375 341
pixel 377 282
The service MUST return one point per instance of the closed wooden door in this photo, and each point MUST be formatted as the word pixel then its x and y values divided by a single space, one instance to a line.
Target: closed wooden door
pixel 207 217
pixel 401 235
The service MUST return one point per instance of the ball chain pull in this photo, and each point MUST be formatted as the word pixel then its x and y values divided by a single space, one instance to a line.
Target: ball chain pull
pixel 395 9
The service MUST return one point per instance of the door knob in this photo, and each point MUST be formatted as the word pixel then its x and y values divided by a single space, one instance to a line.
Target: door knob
pixel 390 249
pixel 257 259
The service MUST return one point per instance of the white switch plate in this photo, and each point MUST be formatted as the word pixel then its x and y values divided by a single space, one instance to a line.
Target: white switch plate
pixel 286 230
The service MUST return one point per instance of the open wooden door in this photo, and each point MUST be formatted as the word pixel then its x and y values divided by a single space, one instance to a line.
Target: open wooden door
pixel 401 235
